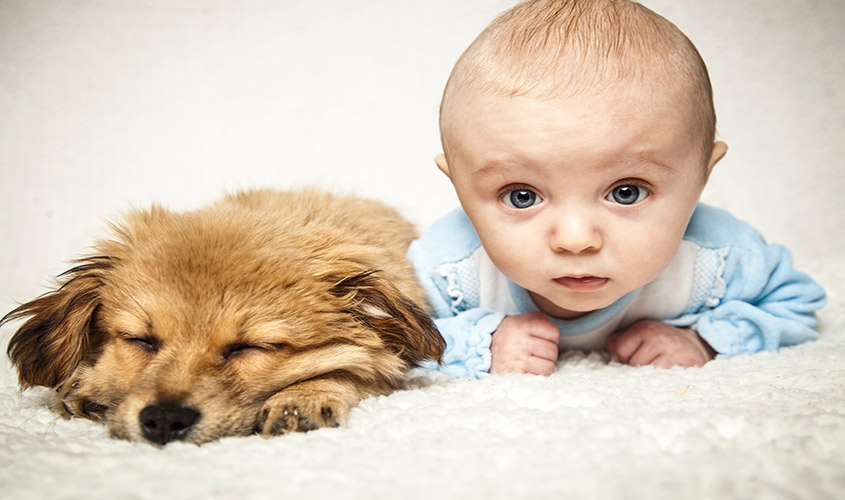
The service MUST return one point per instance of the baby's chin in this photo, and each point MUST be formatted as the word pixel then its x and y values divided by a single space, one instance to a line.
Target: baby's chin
pixel 573 309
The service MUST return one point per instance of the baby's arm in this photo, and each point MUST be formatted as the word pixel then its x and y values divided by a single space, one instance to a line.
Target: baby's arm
pixel 525 343
pixel 767 305
pixel 468 339
pixel 758 301
pixel 480 341
pixel 658 344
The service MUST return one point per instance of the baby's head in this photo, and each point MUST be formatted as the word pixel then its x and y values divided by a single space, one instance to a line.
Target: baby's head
pixel 552 49
pixel 578 135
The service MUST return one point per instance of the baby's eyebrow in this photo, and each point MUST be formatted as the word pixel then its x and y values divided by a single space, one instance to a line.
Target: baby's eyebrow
pixel 494 168
pixel 647 159
pixel 489 169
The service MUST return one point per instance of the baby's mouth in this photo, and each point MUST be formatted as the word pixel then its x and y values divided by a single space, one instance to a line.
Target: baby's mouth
pixel 582 283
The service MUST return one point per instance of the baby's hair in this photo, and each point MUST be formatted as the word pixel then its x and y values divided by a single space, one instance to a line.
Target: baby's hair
pixel 554 48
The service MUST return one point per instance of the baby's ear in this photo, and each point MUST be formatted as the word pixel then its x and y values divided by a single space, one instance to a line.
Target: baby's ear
pixel 443 165
pixel 717 153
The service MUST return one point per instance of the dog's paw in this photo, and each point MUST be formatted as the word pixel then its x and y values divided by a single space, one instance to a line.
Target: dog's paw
pixel 68 402
pixel 300 411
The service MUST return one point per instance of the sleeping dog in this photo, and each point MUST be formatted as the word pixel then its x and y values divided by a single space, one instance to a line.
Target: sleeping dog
pixel 268 312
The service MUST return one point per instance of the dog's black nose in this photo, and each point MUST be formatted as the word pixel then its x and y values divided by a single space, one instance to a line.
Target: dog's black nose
pixel 165 422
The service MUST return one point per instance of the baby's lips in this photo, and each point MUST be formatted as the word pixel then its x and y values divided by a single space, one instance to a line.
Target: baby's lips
pixel 582 283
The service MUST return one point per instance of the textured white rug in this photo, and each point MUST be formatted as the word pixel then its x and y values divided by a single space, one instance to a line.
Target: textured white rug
pixel 763 426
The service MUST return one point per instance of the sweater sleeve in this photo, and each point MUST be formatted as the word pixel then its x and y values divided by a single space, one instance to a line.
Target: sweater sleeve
pixel 467 337
pixel 758 301
pixel 467 332
pixel 443 265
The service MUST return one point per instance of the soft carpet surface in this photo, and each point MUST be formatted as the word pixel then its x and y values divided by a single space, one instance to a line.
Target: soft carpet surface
pixel 761 426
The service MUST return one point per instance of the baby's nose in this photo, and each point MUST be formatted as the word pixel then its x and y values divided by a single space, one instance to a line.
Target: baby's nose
pixel 575 233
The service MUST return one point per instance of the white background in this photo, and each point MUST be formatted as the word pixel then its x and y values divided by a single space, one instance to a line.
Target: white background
pixel 110 104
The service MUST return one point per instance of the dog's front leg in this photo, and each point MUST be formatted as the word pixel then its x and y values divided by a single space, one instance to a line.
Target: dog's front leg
pixel 309 405
pixel 68 401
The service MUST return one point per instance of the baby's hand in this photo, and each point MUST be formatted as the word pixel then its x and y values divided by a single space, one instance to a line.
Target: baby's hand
pixel 525 343
pixel 658 344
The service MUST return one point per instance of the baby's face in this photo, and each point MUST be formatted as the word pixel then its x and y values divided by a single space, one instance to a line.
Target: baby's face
pixel 579 200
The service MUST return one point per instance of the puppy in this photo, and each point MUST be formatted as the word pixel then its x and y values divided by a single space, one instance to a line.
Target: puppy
pixel 268 312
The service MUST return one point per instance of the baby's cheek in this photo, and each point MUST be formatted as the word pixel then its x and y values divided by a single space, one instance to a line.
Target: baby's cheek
pixel 648 257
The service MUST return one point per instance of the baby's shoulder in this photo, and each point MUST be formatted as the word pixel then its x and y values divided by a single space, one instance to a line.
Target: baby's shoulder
pixel 452 238
pixel 712 227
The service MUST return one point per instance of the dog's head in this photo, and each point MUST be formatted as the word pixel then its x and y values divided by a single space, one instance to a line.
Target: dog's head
pixel 203 316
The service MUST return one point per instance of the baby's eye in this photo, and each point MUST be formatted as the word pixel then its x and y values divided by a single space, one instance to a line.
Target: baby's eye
pixel 627 194
pixel 521 198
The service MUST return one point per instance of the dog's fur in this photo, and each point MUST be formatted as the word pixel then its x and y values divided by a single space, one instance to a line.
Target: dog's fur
pixel 267 312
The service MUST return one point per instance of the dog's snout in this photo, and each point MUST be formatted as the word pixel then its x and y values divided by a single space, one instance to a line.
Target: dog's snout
pixel 165 422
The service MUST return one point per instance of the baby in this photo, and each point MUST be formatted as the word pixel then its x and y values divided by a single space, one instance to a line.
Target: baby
pixel 578 135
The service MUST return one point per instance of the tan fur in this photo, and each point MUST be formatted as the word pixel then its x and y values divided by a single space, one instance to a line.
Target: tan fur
pixel 267 312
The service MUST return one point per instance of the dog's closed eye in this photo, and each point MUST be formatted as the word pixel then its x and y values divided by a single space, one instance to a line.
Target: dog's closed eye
pixel 150 345
pixel 239 349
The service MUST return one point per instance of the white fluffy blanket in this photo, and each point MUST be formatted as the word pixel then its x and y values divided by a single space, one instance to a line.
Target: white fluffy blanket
pixel 762 426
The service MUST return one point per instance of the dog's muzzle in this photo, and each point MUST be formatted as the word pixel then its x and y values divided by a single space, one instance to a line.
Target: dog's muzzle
pixel 165 422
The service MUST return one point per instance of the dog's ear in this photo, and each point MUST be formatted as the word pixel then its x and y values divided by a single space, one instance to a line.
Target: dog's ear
pixel 56 337
pixel 403 326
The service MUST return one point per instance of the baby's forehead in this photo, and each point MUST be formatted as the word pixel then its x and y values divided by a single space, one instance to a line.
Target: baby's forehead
pixel 637 98
pixel 622 116
pixel 587 83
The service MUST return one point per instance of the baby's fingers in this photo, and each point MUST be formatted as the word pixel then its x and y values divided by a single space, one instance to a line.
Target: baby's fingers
pixel 646 354
pixel 540 366
pixel 543 349
pixel 623 346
